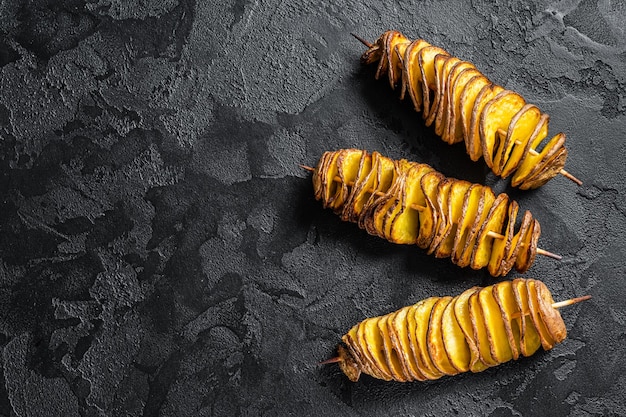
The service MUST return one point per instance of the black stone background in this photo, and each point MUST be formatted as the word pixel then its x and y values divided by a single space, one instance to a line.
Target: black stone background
pixel 161 252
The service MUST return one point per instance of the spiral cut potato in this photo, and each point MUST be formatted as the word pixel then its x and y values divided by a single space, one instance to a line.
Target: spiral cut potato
pixel 410 203
pixel 464 105
pixel 439 336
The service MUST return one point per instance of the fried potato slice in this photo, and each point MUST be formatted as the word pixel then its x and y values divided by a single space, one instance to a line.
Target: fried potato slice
pixel 443 208
pixel 426 62
pixel 486 201
pixel 496 116
pixel 350 340
pixel 457 191
pixel 324 185
pixel 354 188
pixel 550 315
pixel 518 134
pixel 517 242
pixel 467 219
pixel 492 223
pixel 458 78
pixel 422 320
pixel 482 99
pixel 441 67
pixel 436 349
pixel 501 247
pixel 406 224
pixel 441 101
pixel 382 176
pixel 529 336
pixel 504 295
pixel 463 318
pixel 374 344
pixel 528 249
pixel 394 41
pixel 348 365
pixel 529 160
pixel 470 94
pixel 547 341
pixel 392 210
pixel 411 79
pixel 347 170
pixel 429 216
pixel 494 325
pixel 479 328
pixel 417 345
pixel 396 365
pixel 399 329
pixel 454 343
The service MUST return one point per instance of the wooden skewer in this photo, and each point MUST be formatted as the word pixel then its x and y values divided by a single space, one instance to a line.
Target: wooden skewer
pixel 363 41
pixel 417 207
pixel 502 132
pixel 549 254
pixel 331 360
pixel 560 304
pixel 571 301
pixel 513 316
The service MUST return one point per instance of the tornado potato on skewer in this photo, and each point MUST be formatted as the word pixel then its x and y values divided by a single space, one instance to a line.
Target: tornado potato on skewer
pixel 411 203
pixel 464 105
pixel 478 329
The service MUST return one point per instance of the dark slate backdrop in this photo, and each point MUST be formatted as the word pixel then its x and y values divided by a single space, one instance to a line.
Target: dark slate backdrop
pixel 160 249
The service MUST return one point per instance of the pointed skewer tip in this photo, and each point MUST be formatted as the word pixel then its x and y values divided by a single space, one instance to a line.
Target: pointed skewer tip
pixel 571 301
pixel 560 304
pixel 308 168
pixel 363 41
pixel 549 254
pixel 571 177
pixel 331 360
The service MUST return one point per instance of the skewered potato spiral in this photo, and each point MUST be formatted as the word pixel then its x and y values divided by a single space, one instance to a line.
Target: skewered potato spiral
pixel 464 105
pixel 438 336
pixel 410 203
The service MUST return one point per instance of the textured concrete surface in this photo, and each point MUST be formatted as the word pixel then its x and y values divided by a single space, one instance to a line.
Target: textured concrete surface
pixel 161 253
